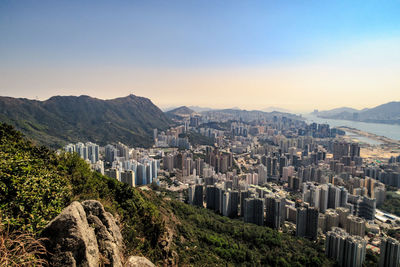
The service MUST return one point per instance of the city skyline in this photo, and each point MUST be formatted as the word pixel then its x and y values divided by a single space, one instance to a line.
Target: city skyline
pixel 250 55
pixel 199 133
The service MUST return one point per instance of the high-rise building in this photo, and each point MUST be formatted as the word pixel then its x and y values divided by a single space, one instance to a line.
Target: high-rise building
pixel 110 153
pixel 312 223
pixel 113 173
pixel 123 151
pixel 333 197
pixel 92 152
pixel 366 208
pixel 322 222
pixel 243 195
pixel 323 198
pixel 275 211
pixel 301 221
pixel 88 151
pixel 141 174
pixel 230 203
pixel 332 219
pixel 196 195
pixel 343 196
pixel 307 222
pixel 343 213
pixel 211 193
pixel 128 177
pixel 254 210
pixel 379 193
pixel 347 250
pixel 390 253
pixel 355 225
pixel 219 192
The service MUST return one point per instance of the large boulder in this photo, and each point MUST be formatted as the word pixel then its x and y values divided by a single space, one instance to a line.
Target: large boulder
pixel 70 239
pixel 84 234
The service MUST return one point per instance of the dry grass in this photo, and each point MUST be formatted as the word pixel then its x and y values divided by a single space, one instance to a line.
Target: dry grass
pixel 20 249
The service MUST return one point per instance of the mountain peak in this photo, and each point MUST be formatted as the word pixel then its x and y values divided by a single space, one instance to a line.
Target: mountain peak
pixel 181 111
pixel 62 119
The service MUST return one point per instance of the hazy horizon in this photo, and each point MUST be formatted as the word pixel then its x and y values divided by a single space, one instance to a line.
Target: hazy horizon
pixel 170 107
pixel 298 57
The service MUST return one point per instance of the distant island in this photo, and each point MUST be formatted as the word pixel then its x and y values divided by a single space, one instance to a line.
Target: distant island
pixel 388 113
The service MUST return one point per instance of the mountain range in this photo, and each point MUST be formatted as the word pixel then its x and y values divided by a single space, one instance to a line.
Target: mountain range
pixel 388 113
pixel 249 115
pixel 277 109
pixel 62 119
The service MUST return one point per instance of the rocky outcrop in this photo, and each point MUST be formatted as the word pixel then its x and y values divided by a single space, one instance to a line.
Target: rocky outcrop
pixel 84 234
pixel 70 239
pixel 109 238
pixel 136 261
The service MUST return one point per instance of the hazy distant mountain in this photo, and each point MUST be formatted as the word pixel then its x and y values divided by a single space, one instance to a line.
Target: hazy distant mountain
pixel 248 115
pixel 181 111
pixel 199 109
pixel 63 119
pixel 387 113
pixel 334 112
pixel 271 109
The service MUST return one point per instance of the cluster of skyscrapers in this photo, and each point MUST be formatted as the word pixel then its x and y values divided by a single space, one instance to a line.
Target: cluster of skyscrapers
pixel 88 151
pixel 259 165
pixel 120 162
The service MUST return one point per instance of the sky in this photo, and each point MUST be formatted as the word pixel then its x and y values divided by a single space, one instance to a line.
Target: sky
pixel 297 55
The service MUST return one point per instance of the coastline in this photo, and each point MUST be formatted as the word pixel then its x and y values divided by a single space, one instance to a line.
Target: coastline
pixel 372 153
pixel 382 139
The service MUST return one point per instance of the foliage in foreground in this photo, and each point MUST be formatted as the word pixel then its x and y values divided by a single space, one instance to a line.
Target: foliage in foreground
pixel 36 184
pixel 20 249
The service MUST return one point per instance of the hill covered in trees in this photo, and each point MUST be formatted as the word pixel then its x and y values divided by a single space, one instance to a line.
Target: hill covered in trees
pixel 63 119
pixel 36 184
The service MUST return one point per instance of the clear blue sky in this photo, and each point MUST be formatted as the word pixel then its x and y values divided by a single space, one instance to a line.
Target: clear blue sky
pixel 58 39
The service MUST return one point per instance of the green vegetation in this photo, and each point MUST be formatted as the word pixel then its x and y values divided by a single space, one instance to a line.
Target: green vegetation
pixel 392 203
pixel 36 184
pixel 222 126
pixel 208 239
pixel 64 119
pixel 32 190
pixel 371 259
pixel 198 139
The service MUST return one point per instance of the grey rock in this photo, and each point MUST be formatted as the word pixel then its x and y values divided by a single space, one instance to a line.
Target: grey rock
pixel 70 239
pixel 136 261
pixel 84 234
pixel 108 234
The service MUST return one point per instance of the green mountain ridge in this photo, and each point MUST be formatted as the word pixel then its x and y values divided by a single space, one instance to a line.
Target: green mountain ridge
pixel 63 119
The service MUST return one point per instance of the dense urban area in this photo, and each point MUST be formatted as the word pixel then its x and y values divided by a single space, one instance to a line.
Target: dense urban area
pixel 277 171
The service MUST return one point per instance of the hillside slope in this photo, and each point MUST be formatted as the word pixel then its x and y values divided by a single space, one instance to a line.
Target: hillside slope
pixel 63 119
pixel 36 184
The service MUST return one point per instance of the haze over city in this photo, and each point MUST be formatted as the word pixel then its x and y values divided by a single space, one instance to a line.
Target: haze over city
pixel 252 55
